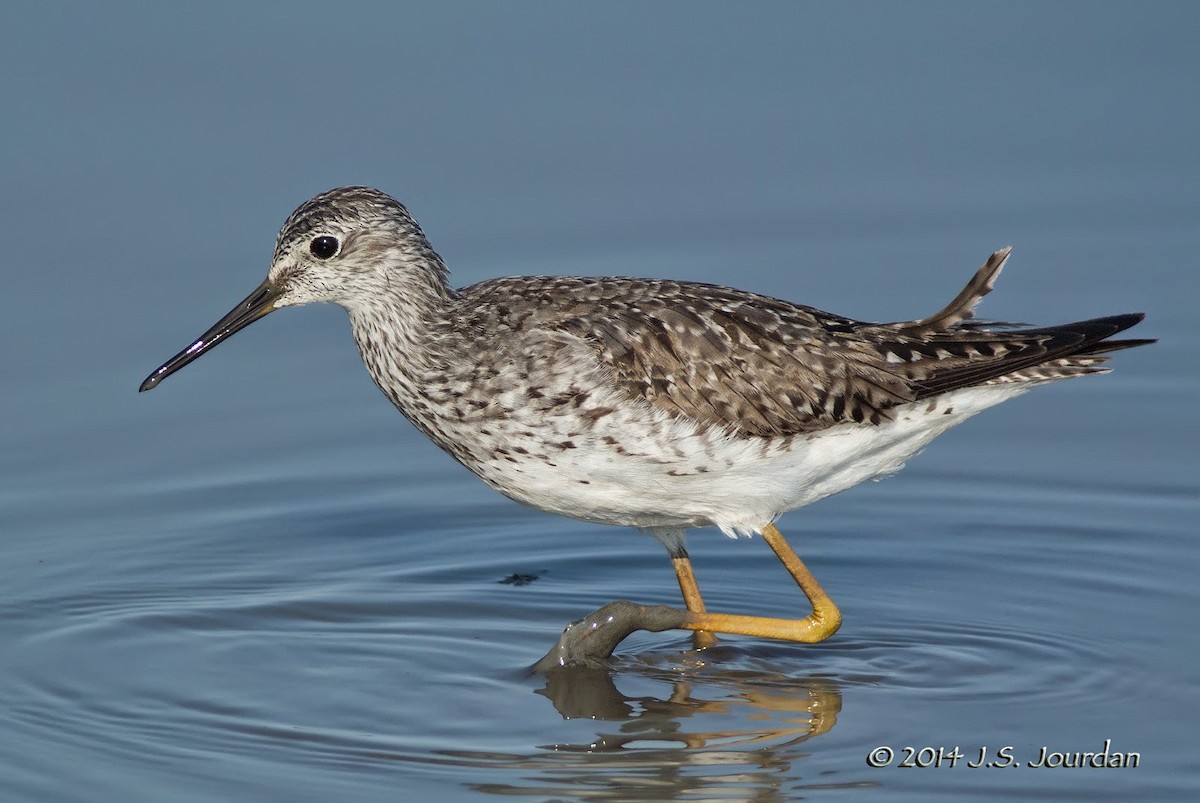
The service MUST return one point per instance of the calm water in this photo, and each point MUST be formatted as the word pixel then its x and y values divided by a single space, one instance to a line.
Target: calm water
pixel 259 583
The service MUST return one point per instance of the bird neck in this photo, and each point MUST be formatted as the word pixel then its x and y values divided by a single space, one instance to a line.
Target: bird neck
pixel 402 329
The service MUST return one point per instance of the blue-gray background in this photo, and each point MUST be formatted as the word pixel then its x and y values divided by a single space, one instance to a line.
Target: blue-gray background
pixel 260 583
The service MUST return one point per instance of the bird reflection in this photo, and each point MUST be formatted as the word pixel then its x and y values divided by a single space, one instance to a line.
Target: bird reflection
pixel 800 708
pixel 663 746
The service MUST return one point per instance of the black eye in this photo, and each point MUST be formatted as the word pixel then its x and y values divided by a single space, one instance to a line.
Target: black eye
pixel 324 247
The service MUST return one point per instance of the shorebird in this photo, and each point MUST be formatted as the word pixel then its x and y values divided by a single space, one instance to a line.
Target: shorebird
pixel 660 405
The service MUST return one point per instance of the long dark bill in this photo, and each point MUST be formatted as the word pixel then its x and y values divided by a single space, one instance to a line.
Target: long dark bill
pixel 254 306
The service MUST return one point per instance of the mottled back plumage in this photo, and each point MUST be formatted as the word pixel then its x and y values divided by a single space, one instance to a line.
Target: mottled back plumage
pixel 759 366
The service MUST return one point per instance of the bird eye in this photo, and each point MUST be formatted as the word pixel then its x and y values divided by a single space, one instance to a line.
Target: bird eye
pixel 324 247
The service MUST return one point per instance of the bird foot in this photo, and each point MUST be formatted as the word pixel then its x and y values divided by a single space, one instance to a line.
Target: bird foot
pixel 590 640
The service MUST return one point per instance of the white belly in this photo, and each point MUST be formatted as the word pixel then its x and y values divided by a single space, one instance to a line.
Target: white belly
pixel 681 477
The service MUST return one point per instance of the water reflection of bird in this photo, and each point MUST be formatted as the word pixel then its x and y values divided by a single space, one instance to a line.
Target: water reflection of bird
pixel 702 732
pixel 660 405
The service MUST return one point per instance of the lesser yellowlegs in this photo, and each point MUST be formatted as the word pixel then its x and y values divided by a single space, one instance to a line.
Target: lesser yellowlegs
pixel 660 405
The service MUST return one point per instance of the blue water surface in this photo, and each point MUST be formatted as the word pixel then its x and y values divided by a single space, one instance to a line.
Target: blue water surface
pixel 260 583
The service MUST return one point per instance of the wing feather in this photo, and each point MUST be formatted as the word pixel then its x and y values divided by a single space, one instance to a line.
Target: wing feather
pixel 758 366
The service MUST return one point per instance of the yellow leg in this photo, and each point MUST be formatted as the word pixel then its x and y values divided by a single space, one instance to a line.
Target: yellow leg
pixel 822 623
pixel 692 598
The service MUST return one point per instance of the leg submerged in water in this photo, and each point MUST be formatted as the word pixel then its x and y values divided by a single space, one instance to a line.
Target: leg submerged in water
pixel 593 638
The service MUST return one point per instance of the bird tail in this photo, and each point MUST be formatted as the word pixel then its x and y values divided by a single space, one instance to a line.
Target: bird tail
pixel 962 308
pixel 948 350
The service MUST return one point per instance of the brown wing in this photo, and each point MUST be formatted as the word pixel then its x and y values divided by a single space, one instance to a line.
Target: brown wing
pixel 723 357
pixel 752 364
pixel 760 366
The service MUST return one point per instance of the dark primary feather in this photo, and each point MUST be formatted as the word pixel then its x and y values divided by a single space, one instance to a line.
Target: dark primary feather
pixel 760 366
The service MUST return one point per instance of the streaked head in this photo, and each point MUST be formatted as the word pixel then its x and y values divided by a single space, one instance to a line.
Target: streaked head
pixel 346 246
